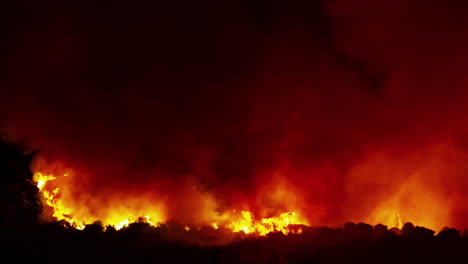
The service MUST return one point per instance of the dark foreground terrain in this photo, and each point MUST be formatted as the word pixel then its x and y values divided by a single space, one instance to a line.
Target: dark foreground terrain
pixel 140 243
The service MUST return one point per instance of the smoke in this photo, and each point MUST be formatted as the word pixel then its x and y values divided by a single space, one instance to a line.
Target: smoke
pixel 342 110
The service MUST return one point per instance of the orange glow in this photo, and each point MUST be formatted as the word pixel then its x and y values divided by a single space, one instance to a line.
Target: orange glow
pixel 402 193
pixel 247 223
pixel 63 207
pixel 121 217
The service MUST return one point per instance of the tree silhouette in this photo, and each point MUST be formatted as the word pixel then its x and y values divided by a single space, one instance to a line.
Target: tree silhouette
pixel 19 195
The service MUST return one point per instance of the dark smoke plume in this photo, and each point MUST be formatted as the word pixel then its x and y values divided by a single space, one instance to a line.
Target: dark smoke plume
pixel 351 106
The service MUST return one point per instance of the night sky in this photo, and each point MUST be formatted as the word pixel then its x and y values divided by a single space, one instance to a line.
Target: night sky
pixel 340 108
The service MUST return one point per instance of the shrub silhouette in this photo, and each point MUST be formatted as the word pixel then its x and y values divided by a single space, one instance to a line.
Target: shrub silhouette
pixel 19 196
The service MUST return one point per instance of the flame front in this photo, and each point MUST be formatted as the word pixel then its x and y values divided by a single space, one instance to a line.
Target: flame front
pixel 51 198
pixel 235 221
pixel 118 217
pixel 280 223
pixel 121 210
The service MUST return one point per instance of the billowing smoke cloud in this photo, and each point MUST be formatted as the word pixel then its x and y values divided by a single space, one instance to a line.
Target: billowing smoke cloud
pixel 343 110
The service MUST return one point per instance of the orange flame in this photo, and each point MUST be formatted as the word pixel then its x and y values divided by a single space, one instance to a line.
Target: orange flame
pixel 119 217
pixel 245 222
pixel 394 210
pixel 122 217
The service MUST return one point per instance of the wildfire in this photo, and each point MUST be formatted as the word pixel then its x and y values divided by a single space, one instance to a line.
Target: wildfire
pixel 61 210
pixel 51 198
pixel 245 222
pixel 235 221
pixel 53 189
pixel 267 225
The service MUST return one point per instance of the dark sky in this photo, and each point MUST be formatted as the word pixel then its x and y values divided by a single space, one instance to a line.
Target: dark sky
pixel 354 105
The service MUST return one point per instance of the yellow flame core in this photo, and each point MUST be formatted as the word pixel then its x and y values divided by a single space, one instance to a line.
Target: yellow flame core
pixel 236 221
pixel 233 221
pixel 400 223
pixel 51 198
pixel 247 224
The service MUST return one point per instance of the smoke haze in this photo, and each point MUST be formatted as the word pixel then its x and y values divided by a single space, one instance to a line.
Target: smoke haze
pixel 341 110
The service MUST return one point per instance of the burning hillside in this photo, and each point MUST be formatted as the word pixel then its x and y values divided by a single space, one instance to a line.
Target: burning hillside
pixel 256 117
pixel 125 212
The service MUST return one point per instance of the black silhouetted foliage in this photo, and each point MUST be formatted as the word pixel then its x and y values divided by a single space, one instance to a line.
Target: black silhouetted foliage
pixel 19 196
pixel 140 242
pixel 172 243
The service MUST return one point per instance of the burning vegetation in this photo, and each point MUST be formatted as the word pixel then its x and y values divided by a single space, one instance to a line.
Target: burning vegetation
pixel 315 113
pixel 249 127
pixel 121 216
pixel 118 214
